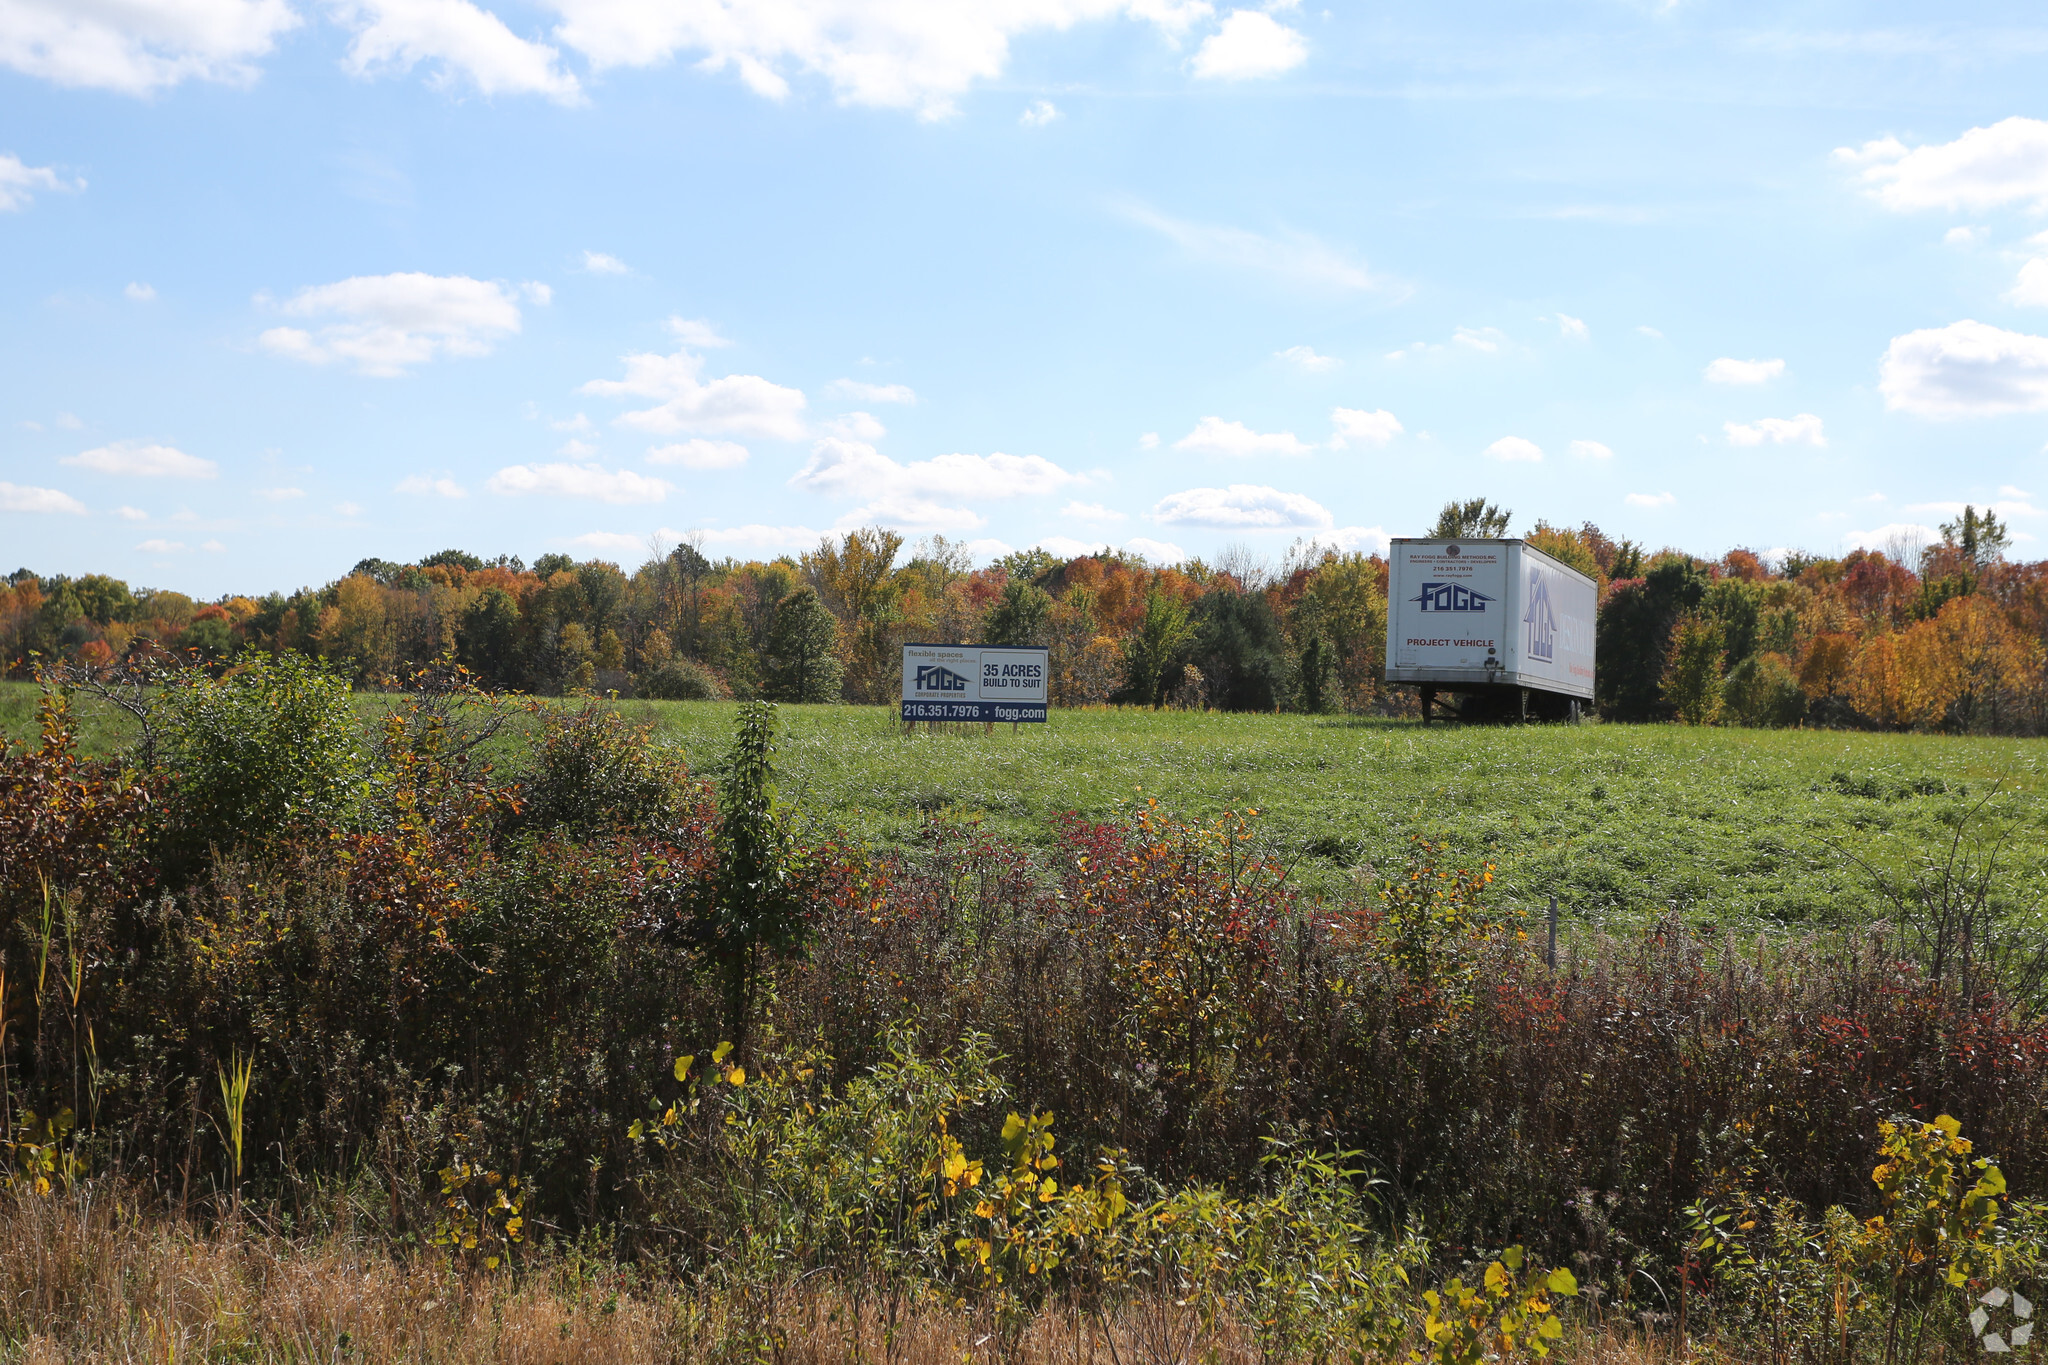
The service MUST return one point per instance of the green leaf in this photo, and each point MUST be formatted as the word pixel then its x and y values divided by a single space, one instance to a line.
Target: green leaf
pixel 1562 1281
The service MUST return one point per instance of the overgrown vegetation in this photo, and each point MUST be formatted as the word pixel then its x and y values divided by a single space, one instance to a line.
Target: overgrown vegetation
pixel 592 1019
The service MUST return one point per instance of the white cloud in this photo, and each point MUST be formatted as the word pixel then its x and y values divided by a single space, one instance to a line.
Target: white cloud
pixel 420 486
pixel 699 453
pixel 390 322
pixel 697 332
pixel 212 546
pixel 1894 537
pixel 1966 369
pixel 1651 500
pixel 578 481
pixel 1306 358
pixel 577 450
pixel 986 548
pixel 1159 552
pixel 162 547
pixel 2030 290
pixel 18 182
pixel 1803 429
pixel 1480 338
pixel 871 393
pixel 1038 113
pixel 578 424
pixel 1985 168
pixel 1066 547
pixel 840 467
pixel 1149 441
pixel 349 509
pixel 1294 256
pixel 1374 428
pixel 737 404
pixel 280 494
pixel 1516 449
pixel 1375 540
pixel 1214 436
pixel 897 55
pixel 131 514
pixel 1964 236
pixel 601 263
pixel 1591 450
pixel 856 426
pixel 142 45
pixel 141 293
pixel 1248 46
pixel 69 422
pixel 15 497
pixel 539 293
pixel 2005 505
pixel 468 43
pixel 911 512
pixel 1728 370
pixel 1574 328
pixel 1650 332
pixel 1242 507
pixel 1091 511
pixel 142 459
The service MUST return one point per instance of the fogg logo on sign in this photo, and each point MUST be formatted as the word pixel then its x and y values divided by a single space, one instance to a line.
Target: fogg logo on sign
pixel 1540 618
pixel 1451 597
pixel 938 678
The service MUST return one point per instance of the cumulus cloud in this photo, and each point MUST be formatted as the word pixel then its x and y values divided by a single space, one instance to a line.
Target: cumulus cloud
pixel 1149 441
pixel 698 333
pixel 1038 113
pixel 136 48
pixel 162 547
pixel 2030 290
pixel 131 514
pixel 896 55
pixel 736 405
pixel 1248 46
pixel 578 481
pixel 1214 436
pixel 1515 448
pixel 19 183
pixel 1896 537
pixel 1651 332
pixel 1805 429
pixel 384 324
pixel 1591 450
pixel 422 486
pixel 1966 369
pixel 1985 168
pixel 15 497
pixel 1066 547
pixel 1242 507
pixel 141 293
pixel 700 453
pixel 1159 552
pixel 840 467
pixel 1090 511
pixel 142 459
pixel 1374 428
pixel 1573 328
pixel 602 263
pixel 577 450
pixel 911 512
pixel 1375 540
pixel 468 45
pixel 1294 256
pixel 1305 357
pixel 1728 370
pixel 1964 236
pixel 871 393
pixel 1480 338
pixel 1651 500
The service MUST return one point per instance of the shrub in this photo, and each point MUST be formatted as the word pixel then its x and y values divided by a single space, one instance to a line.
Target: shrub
pixel 591 772
pixel 1762 692
pixel 680 680
pixel 268 750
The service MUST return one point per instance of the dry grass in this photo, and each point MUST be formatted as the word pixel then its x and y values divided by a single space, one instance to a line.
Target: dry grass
pixel 89 1278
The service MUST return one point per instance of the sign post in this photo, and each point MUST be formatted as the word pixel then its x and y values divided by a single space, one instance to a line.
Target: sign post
pixel 974 682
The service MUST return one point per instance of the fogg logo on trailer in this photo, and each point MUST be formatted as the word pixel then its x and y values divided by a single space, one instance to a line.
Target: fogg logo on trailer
pixel 1450 597
pixel 937 678
pixel 1540 618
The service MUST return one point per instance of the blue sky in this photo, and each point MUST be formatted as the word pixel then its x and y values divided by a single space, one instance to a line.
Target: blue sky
pixel 293 282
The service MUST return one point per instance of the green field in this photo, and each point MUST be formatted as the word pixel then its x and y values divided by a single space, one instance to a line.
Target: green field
pixel 1749 828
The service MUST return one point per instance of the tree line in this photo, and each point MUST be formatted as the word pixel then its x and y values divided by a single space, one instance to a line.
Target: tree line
pixel 1950 637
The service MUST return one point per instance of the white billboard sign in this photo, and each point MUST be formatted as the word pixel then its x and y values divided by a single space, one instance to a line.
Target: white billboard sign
pixel 974 682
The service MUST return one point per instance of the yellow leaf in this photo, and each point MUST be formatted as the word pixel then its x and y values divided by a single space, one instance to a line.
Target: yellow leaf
pixel 718 1053
pixel 683 1066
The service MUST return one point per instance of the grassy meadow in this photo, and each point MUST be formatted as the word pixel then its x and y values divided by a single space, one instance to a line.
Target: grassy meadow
pixel 1751 829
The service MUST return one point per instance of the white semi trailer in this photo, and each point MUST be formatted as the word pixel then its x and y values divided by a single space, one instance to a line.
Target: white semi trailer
pixel 1498 620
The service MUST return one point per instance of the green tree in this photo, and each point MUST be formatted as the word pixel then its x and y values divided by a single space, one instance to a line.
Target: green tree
pixel 1633 638
pixel 1320 690
pixel 1761 691
pixel 1981 536
pixel 1021 616
pixel 801 663
pixel 1692 672
pixel 757 907
pixel 1237 643
pixel 1152 652
pixel 1472 519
